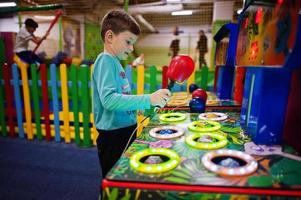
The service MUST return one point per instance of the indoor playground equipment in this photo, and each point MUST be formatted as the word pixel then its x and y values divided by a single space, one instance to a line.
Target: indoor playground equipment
pixel 48 98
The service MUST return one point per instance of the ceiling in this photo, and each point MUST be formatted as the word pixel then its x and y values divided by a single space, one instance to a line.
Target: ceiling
pixel 151 13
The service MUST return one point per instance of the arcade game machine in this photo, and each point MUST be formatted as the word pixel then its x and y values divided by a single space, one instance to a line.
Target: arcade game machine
pixel 269 47
pixel 182 155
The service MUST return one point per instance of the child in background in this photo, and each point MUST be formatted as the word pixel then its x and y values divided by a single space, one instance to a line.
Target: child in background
pixel 174 46
pixel 114 106
pixel 22 39
pixel 202 48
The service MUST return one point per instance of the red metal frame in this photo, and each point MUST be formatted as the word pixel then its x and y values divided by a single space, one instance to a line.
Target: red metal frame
pixel 204 189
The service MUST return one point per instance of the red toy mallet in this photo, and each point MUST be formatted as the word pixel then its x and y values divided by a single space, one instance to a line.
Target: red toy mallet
pixel 179 69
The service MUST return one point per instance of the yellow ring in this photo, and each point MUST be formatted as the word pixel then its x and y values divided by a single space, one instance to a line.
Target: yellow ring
pixel 170 164
pixel 172 117
pixel 179 94
pixel 200 126
pixel 213 116
pixel 211 102
pixel 177 102
pixel 222 141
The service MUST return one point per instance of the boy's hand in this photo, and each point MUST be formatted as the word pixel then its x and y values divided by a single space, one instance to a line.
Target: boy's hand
pixel 160 97
pixel 45 36
pixel 140 112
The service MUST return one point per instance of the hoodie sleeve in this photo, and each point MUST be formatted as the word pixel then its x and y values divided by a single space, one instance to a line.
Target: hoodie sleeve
pixel 114 89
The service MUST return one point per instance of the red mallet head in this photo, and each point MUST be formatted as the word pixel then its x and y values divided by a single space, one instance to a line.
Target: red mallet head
pixel 180 68
pixel 199 93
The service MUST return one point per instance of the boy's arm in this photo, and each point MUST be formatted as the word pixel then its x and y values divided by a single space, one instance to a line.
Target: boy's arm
pixel 109 96
pixel 38 40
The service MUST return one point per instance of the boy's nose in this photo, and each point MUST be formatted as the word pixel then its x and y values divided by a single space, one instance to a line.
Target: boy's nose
pixel 131 47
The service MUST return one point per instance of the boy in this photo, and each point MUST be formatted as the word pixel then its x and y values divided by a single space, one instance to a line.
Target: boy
pixel 114 107
pixel 22 39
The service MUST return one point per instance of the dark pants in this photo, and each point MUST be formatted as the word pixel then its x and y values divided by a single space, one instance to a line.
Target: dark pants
pixel 29 57
pixel 202 60
pixel 111 144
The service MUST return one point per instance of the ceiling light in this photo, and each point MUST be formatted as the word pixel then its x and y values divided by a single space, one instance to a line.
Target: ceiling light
pixel 42 17
pixel 182 12
pixel 173 1
pixel 8 4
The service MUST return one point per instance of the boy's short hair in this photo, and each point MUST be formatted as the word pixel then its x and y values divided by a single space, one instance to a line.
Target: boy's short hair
pixel 31 23
pixel 119 21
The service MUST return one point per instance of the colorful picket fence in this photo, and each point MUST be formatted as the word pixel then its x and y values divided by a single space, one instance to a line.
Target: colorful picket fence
pixel 55 103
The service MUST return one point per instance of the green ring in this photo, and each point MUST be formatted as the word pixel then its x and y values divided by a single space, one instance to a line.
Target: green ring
pixel 172 117
pixel 195 126
pixel 173 161
pixel 222 141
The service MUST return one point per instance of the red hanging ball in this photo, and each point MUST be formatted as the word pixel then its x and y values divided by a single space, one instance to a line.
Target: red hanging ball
pixel 200 93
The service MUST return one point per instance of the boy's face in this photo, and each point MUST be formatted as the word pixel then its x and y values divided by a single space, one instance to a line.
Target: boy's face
pixel 121 44
pixel 31 29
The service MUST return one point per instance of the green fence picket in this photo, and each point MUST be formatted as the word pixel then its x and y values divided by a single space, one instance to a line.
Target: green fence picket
pixel 74 92
pixel 35 97
pixel 152 79
pixel 204 75
pixel 85 97
pixel 134 80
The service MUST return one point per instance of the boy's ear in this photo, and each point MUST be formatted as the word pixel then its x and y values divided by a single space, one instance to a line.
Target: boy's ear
pixel 109 36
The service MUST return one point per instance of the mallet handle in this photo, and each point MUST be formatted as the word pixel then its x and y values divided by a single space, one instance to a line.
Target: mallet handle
pixel 58 14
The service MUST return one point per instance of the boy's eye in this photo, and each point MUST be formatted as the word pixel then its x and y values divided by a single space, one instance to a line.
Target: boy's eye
pixel 128 42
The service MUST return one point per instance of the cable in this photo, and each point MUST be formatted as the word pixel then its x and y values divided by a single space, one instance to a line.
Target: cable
pixel 141 123
pixel 156 110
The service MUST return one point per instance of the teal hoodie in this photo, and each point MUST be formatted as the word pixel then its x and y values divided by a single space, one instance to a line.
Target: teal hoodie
pixel 113 105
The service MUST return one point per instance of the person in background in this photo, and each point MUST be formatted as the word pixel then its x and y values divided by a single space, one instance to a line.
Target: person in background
pixel 22 39
pixel 174 47
pixel 114 107
pixel 202 48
